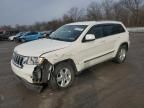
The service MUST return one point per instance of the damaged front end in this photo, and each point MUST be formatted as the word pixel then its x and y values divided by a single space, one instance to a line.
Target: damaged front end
pixel 41 73
pixel 40 76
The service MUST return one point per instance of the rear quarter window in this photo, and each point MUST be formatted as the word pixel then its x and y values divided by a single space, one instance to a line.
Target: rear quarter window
pixel 112 29
pixel 118 29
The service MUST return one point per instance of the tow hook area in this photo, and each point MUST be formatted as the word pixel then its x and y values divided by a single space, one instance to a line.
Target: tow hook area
pixel 41 72
pixel 34 87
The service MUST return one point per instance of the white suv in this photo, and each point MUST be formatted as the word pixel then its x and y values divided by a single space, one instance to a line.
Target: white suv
pixel 69 50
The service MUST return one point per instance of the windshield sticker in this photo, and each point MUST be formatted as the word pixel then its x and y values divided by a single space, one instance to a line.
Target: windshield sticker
pixel 79 29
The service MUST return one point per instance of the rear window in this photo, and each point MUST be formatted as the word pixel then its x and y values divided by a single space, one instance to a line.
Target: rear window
pixel 112 29
pixel 104 30
pixel 118 29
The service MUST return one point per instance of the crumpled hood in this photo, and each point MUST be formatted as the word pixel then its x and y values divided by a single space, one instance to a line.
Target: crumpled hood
pixel 38 47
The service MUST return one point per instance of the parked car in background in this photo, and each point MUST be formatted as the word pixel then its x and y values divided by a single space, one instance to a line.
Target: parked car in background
pixel 17 38
pixel 12 38
pixel 1 34
pixel 5 34
pixel 29 36
pixel 69 50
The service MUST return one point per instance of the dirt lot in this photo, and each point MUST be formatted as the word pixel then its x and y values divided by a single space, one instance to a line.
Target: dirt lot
pixel 107 85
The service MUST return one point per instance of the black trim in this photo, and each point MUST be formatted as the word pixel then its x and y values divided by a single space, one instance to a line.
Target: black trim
pixel 98 57
pixel 103 25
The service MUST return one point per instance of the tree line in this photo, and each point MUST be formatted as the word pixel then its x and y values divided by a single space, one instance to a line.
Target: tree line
pixel 130 12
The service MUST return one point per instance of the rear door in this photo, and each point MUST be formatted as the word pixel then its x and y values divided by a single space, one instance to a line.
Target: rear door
pixel 110 38
pixel 112 33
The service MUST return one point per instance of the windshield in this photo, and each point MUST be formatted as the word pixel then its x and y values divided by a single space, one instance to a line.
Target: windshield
pixel 68 33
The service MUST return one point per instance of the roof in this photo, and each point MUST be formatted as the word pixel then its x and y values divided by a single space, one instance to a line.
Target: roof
pixel 94 22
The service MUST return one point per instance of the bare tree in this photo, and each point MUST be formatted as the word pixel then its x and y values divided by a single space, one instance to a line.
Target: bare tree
pixel 6 27
pixel 130 12
pixel 108 9
pixel 141 16
pixel 134 6
pixel 75 14
pixel 94 11
pixel 120 13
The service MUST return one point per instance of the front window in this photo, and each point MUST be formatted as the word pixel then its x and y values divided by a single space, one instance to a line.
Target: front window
pixel 68 33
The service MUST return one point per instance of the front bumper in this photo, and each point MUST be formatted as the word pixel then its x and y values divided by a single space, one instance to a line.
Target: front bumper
pixel 25 73
pixel 34 87
pixel 32 73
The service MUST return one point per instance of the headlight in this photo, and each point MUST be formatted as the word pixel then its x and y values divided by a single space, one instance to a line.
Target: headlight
pixel 32 60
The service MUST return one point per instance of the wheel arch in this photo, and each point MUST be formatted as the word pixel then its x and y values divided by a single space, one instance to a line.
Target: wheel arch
pixel 118 46
pixel 71 62
pixel 126 44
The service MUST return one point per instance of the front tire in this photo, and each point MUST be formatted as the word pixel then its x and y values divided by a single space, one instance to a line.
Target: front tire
pixel 63 76
pixel 121 54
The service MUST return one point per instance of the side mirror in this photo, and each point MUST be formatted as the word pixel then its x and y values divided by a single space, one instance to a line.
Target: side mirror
pixel 89 37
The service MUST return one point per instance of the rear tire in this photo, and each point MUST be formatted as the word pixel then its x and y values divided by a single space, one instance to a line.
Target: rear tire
pixel 63 76
pixel 121 54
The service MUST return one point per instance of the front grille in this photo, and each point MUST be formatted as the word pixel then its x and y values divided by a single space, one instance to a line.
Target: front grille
pixel 18 60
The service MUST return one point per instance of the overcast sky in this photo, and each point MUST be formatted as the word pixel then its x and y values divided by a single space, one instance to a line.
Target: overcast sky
pixel 30 11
